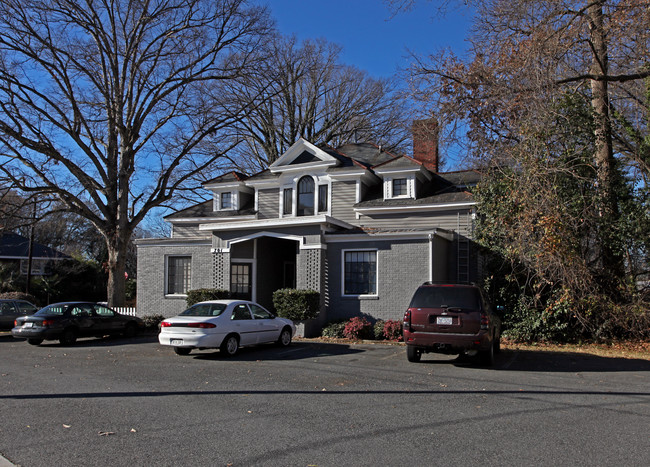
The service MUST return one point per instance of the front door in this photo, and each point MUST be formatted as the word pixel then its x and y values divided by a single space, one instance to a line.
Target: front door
pixel 241 280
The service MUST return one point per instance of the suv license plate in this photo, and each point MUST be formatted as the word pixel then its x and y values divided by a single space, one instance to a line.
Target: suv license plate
pixel 445 320
pixel 176 342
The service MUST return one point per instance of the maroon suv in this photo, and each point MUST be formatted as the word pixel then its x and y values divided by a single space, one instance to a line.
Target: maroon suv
pixel 451 319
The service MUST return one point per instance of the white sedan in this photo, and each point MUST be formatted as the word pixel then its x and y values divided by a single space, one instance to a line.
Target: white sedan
pixel 224 324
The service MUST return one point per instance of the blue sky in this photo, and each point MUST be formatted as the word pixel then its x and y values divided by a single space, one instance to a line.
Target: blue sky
pixel 373 40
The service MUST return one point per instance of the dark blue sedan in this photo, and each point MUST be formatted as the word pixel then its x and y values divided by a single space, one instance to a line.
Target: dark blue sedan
pixel 70 320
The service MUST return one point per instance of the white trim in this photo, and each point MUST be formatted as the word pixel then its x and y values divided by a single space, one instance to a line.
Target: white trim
pixel 417 208
pixel 256 235
pixel 410 187
pixel 281 222
pixel 365 237
pixel 376 294
pixel 310 166
pixel 398 171
pixel 257 184
pixel 227 185
pixel 166 275
pixel 281 212
pixel 173 242
pixel 297 194
pixel 219 199
pixel 323 181
pixel 198 220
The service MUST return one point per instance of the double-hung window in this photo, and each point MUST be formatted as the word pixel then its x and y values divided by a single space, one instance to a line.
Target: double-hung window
pixel 305 196
pixel 399 187
pixel 287 201
pixel 322 198
pixel 360 272
pixel 226 200
pixel 179 269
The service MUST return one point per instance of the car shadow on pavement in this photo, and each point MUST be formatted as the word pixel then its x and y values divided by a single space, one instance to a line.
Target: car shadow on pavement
pixel 85 342
pixel 567 362
pixel 543 361
pixel 296 351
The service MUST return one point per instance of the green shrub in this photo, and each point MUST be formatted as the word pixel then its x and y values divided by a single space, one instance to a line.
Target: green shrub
pixel 526 322
pixel 202 295
pixel 334 329
pixel 296 305
pixel 358 328
pixel 152 321
pixel 378 329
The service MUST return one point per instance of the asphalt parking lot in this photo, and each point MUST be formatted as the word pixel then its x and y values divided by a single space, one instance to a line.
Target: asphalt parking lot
pixel 133 402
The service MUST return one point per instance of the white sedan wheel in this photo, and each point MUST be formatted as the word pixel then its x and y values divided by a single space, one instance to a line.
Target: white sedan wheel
pixel 230 345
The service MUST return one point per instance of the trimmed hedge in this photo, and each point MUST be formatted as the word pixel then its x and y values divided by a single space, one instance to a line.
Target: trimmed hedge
pixel 202 295
pixel 296 305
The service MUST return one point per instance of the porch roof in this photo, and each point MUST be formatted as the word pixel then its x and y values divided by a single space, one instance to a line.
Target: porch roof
pixel 322 220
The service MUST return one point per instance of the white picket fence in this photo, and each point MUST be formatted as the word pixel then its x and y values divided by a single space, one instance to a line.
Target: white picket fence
pixel 126 310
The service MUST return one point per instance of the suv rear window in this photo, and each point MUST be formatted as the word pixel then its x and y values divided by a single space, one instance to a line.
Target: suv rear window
pixel 446 297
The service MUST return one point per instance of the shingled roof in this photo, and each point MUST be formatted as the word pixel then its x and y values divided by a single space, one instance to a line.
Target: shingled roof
pixel 13 245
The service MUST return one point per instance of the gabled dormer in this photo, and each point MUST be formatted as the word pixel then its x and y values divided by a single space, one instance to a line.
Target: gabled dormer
pixel 303 156
pixel 304 183
pixel 401 177
pixel 229 192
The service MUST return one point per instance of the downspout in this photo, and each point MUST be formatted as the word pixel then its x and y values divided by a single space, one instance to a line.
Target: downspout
pixel 431 235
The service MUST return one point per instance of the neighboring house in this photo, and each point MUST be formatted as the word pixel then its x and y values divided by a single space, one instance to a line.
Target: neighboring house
pixel 14 250
pixel 360 225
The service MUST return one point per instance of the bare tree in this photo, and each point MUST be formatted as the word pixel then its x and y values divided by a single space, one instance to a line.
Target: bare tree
pixel 306 92
pixel 113 105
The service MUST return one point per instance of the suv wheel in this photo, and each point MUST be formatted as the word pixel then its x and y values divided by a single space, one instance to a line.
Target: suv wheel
pixel 413 354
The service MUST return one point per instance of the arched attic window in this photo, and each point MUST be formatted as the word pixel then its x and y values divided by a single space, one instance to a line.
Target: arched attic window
pixel 306 196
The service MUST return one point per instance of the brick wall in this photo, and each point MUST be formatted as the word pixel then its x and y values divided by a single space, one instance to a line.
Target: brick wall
pixel 151 275
pixel 401 267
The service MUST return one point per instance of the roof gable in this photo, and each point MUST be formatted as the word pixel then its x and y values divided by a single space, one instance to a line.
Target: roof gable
pixel 302 154
pixel 304 158
pixel 227 178
pixel 399 163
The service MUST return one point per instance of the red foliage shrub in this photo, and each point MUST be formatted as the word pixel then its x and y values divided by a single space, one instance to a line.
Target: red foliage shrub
pixel 358 328
pixel 393 330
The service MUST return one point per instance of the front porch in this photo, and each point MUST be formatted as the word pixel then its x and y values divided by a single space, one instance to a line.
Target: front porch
pixel 254 266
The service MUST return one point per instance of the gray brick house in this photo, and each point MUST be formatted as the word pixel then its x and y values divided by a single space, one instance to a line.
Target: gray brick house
pixel 360 225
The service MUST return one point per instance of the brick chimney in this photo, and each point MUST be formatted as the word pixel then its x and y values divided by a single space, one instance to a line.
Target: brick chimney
pixel 425 142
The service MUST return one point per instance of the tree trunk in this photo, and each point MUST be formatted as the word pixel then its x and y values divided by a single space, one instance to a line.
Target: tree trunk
pixel 116 287
pixel 604 158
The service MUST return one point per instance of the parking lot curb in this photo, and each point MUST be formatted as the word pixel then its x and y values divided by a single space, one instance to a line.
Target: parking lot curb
pixel 5 463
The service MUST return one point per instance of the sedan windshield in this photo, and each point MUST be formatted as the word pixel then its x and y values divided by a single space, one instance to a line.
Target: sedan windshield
pixel 52 310
pixel 205 309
